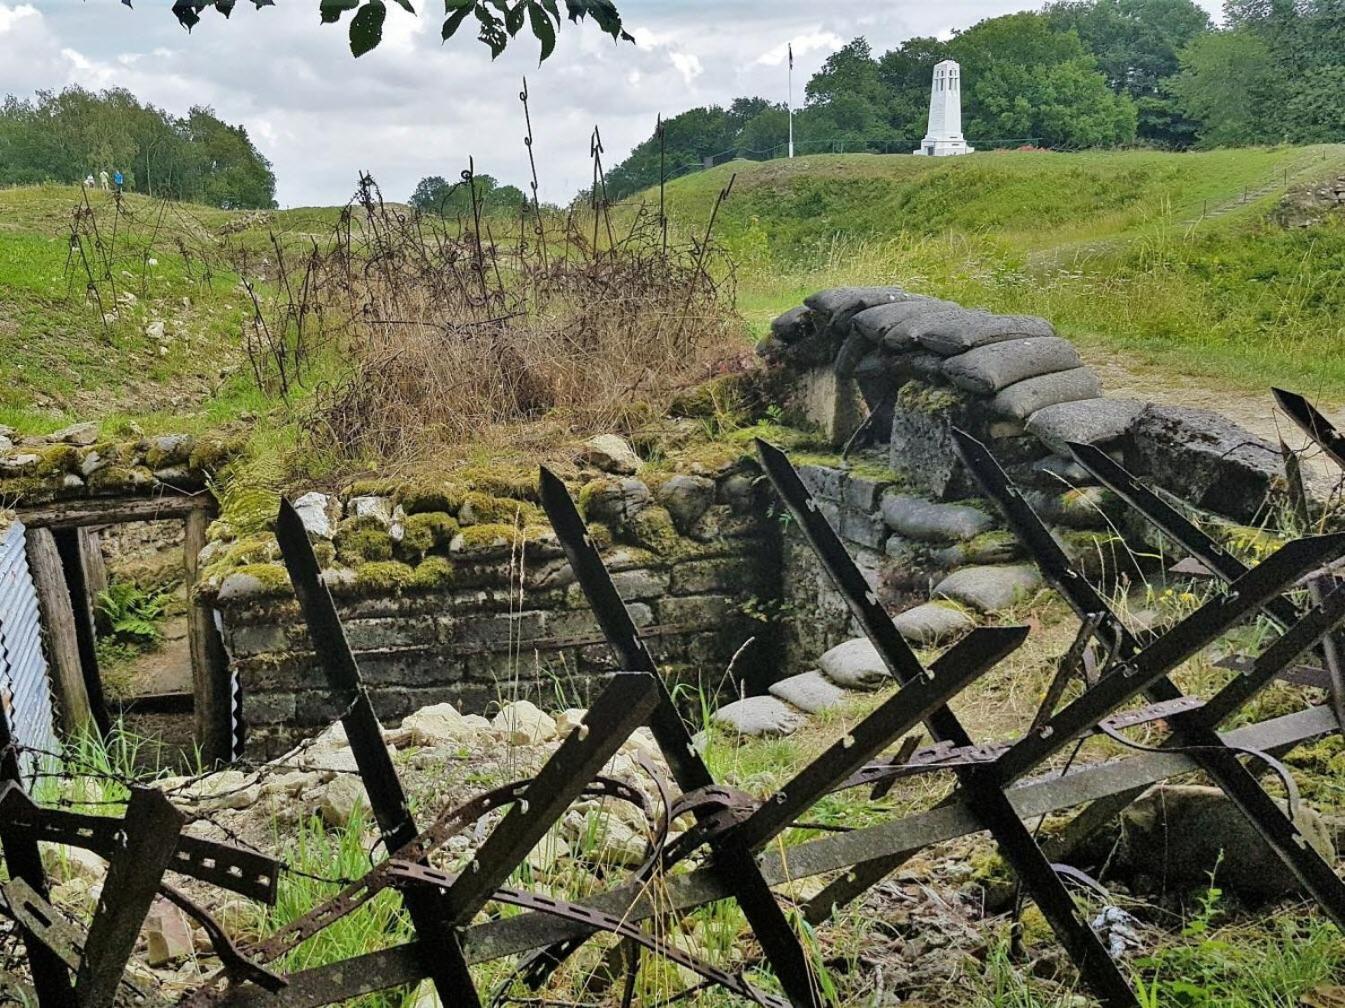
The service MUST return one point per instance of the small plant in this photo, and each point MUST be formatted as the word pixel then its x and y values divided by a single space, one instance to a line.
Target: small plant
pixel 132 613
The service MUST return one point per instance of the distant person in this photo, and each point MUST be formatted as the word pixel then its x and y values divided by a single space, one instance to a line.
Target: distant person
pixel 88 181
pixel 102 179
pixel 118 179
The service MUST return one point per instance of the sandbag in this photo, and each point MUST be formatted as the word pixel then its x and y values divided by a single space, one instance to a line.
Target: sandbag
pixel 987 369
pixel 1021 399
pixel 953 333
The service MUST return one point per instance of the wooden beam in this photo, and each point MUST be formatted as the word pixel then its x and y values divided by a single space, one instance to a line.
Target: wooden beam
pixel 93 566
pixel 212 683
pixel 114 510
pixel 58 630
pixel 86 637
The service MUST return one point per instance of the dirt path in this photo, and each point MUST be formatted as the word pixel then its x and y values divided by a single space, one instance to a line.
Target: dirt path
pixel 1122 376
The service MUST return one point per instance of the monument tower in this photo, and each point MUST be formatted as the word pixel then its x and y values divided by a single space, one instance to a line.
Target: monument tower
pixel 944 135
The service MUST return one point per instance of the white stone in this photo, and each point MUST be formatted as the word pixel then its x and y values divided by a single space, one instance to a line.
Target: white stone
pixel 549 850
pixel 642 743
pixel 568 720
pixel 67 863
pixel 315 511
pixel 377 508
pixel 168 934
pixel 340 800
pixel 81 434
pixel 522 723
pixel 943 138
pixel 228 789
pixel 155 331
pixel 439 725
pixel 611 453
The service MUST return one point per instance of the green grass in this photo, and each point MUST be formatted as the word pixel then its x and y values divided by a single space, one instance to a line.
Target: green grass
pixel 1110 246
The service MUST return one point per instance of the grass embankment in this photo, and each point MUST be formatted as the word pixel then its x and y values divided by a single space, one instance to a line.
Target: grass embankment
pixel 1155 255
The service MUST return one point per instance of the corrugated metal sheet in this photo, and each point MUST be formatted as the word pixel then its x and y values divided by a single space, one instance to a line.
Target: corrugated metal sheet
pixel 25 685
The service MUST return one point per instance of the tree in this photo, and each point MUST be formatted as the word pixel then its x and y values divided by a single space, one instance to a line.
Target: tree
pixel 1021 78
pixel 1229 84
pixel 498 21
pixel 906 73
pixel 435 194
pixel 1136 44
pixel 65 136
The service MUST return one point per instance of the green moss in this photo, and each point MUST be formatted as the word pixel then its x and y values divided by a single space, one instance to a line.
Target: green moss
pixel 273 576
pixel 475 537
pixel 918 397
pixel 425 498
pixel 723 398
pixel 653 529
pixel 325 553
pixel 212 452
pixel 250 508
pixel 384 576
pixel 357 544
pixel 516 484
pixel 27 489
pixel 115 477
pixel 601 535
pixel 254 549
pixel 590 490
pixel 482 509
pixel 377 486
pixel 433 572
pixel 59 458
pixel 425 532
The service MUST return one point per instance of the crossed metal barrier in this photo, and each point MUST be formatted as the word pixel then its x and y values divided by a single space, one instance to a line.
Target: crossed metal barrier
pixel 729 848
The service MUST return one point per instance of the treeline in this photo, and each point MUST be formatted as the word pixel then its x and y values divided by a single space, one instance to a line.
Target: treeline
pixel 67 136
pixel 1078 73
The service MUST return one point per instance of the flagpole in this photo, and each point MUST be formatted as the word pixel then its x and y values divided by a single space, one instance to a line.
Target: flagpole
pixel 791 99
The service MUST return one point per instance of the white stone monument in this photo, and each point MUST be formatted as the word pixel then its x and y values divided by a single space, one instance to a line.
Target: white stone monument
pixel 944 136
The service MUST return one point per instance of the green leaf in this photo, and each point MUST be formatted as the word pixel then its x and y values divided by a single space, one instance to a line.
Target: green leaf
pixel 492 31
pixel 366 27
pixel 513 18
pixel 543 29
pixel 331 10
pixel 406 6
pixel 457 13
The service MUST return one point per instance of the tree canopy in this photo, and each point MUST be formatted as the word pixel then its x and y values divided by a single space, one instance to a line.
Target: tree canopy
pixel 66 136
pixel 497 21
pixel 1077 73
pixel 435 194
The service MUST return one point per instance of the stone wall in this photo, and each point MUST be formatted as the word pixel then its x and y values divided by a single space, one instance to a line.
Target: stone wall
pixel 902 500
pixel 479 619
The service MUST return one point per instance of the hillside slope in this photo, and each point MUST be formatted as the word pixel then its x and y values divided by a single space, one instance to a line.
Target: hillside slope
pixel 1170 259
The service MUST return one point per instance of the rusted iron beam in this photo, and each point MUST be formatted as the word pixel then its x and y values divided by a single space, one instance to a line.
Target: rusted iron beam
pixel 150 834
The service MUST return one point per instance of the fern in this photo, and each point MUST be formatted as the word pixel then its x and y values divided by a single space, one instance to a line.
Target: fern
pixel 133 614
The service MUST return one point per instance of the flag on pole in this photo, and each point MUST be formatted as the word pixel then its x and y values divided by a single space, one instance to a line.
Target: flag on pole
pixel 791 55
pixel 791 99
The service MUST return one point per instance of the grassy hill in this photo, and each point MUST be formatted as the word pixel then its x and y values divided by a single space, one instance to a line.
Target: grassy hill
pixel 1168 258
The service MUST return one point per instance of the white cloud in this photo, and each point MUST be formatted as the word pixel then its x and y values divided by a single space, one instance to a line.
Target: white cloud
pixel 688 65
pixel 827 42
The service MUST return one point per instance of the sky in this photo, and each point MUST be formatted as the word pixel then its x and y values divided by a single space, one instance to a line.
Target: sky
pixel 416 106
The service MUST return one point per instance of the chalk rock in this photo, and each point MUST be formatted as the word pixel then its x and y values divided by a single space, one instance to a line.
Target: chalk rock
pixel 809 691
pixel 616 840
pixel 759 715
pixel 926 521
pixel 240 587
pixel 610 453
pixel 167 933
pixel 1177 834
pixel 341 799
pixel 315 511
pixel 82 434
pixel 67 863
pixel 154 330
pixel 686 498
pixel 92 462
pixel 228 789
pixel 568 720
pixel 955 332
pixel 642 743
pixel 990 589
pixel 522 723
pixel 987 369
pixel 6 443
pixel 549 850
pixel 438 725
pixel 1088 421
pixel 855 665
pixel 377 509
pixel 17 465
pixel 1021 399
pixel 930 623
